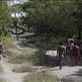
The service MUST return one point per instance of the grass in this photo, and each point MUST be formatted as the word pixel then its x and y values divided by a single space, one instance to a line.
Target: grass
pixel 15 54
pixel 8 42
pixel 2 80
pixel 40 77
pixel 18 59
pixel 23 68
pixel 28 33
pixel 1 69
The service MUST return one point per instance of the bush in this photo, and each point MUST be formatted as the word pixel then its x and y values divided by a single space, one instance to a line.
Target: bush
pixel 23 68
pixel 38 57
pixel 46 43
pixel 17 59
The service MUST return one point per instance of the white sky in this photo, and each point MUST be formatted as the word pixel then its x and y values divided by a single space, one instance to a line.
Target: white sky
pixel 18 14
pixel 18 2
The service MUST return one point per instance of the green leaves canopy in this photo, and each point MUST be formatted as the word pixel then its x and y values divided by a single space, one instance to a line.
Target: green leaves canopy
pixel 5 17
pixel 53 17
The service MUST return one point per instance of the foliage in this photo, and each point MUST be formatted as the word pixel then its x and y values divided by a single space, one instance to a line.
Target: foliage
pixel 5 17
pixel 45 43
pixel 23 68
pixel 16 9
pixel 2 80
pixel 17 59
pixel 53 18
pixel 38 57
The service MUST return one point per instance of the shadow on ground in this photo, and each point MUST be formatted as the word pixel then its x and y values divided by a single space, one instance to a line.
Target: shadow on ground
pixel 78 73
pixel 76 77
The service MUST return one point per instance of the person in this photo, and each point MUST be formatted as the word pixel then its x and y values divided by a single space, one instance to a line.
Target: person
pixel 61 53
pixel 69 46
pixel 75 53
pixel 80 50
pixel 1 49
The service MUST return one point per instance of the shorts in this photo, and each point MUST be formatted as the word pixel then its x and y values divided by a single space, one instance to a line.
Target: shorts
pixel 61 56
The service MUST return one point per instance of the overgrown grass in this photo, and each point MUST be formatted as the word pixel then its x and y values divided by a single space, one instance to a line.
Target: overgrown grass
pixel 40 77
pixel 18 59
pixel 15 54
pixel 2 80
pixel 8 42
pixel 23 68
pixel 1 69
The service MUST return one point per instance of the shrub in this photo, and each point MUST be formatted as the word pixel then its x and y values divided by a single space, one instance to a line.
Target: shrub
pixel 23 68
pixel 17 59
pixel 38 57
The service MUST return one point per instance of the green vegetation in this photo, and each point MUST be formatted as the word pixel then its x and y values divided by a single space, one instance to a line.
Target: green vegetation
pixel 5 17
pixel 8 42
pixel 49 23
pixel 2 80
pixel 54 18
pixel 1 70
pixel 44 43
pixel 23 68
pixel 40 77
pixel 18 59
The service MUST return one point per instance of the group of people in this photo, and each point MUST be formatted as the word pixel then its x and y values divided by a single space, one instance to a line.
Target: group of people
pixel 73 49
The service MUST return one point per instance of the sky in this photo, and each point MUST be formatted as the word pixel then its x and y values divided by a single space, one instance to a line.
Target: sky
pixel 18 1
pixel 18 14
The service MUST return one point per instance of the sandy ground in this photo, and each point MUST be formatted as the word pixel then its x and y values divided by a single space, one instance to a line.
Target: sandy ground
pixel 10 76
pixel 68 73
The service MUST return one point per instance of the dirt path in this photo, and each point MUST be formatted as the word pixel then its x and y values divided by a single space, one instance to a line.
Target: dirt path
pixel 10 76
pixel 67 74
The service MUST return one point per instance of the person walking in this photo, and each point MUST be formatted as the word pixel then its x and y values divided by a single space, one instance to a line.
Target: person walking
pixel 75 53
pixel 60 53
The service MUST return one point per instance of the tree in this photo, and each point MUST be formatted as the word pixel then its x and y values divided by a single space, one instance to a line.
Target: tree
pixel 78 18
pixel 51 17
pixel 5 17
